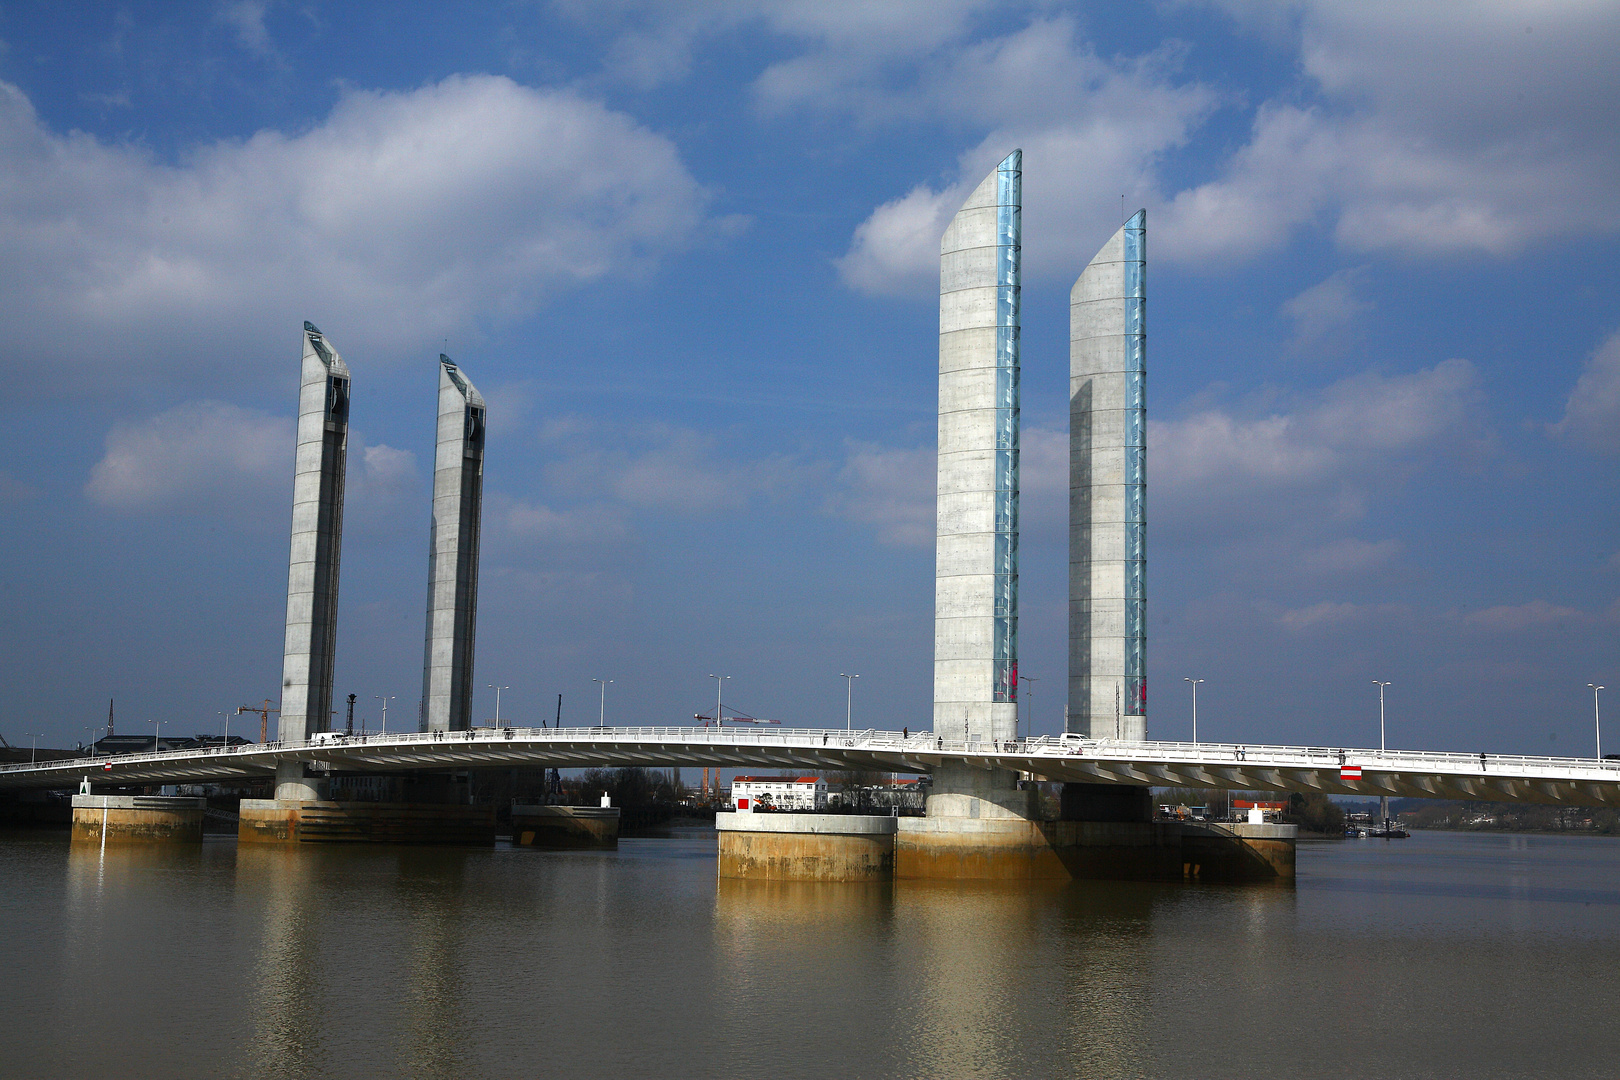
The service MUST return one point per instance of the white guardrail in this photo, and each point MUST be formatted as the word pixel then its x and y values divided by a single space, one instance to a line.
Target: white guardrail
pixel 921 745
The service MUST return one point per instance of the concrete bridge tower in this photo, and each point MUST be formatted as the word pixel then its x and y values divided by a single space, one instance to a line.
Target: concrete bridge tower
pixel 1108 490
pixel 976 554
pixel 312 569
pixel 452 605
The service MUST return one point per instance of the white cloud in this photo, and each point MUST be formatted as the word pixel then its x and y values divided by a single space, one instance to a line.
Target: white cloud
pixel 1349 555
pixel 845 41
pixel 889 488
pixel 538 523
pixel 1327 309
pixel 1442 129
pixel 1091 130
pixel 1592 413
pixel 399 219
pixel 896 249
pixel 1517 618
pixel 246 18
pixel 208 457
pixel 671 468
pixel 1328 614
pixel 1355 429
pixel 390 466
pixel 195 456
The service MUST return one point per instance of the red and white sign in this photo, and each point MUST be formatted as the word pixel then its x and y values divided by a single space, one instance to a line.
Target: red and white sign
pixel 742 804
pixel 1349 772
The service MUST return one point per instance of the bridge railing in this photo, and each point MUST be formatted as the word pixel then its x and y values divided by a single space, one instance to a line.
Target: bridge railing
pixel 901 743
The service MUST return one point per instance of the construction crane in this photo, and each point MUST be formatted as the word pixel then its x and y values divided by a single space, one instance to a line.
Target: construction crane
pixel 264 712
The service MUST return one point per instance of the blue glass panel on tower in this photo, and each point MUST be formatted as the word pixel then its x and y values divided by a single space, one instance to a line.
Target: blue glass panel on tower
pixel 1135 238
pixel 1009 238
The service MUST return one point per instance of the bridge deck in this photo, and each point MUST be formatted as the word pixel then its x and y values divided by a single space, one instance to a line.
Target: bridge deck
pixel 1567 781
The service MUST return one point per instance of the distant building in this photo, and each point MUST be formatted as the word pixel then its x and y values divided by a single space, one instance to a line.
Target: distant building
pixel 1268 810
pixel 779 793
pixel 142 744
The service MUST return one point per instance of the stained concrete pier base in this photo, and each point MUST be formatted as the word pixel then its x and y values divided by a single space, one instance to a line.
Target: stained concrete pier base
pixel 1011 849
pixel 982 827
pixel 1238 851
pixel 806 847
pixel 565 827
pixel 284 821
pixel 123 819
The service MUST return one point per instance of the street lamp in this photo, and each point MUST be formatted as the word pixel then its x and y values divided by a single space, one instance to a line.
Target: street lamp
pixel 1195 683
pixel 35 748
pixel 601 708
pixel 157 725
pixel 497 690
pixel 385 701
pixel 849 682
pixel 719 681
pixel 1028 725
pixel 1597 722
pixel 1380 686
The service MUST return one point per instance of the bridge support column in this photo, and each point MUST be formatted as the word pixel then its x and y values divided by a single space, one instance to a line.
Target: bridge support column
pixel 294 784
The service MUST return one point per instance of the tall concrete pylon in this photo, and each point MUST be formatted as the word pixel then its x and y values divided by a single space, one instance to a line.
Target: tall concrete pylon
pixel 452 605
pixel 317 539
pixel 976 554
pixel 1108 490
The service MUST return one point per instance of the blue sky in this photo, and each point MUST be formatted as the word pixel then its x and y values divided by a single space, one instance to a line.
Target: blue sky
pixel 690 256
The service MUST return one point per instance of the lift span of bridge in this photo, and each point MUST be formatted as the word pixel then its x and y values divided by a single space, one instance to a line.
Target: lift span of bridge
pixel 1331 770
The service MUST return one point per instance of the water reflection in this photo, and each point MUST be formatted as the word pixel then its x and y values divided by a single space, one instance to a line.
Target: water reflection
pixel 289 1038
pixel 436 1028
pixel 1419 958
pixel 1003 971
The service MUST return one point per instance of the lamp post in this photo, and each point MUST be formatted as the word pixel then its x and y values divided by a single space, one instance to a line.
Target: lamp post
pixel 1597 721
pixel 34 750
pixel 719 681
pixel 601 708
pixel 1380 686
pixel 849 683
pixel 1029 726
pixel 1195 683
pixel 385 701
pixel 157 725
pixel 497 690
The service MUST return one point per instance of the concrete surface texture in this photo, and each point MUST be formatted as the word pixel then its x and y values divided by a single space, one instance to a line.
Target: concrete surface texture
pixel 317 538
pixel 976 558
pixel 122 819
pixel 806 847
pixel 280 821
pixel 565 826
pixel 1107 490
pixel 452 603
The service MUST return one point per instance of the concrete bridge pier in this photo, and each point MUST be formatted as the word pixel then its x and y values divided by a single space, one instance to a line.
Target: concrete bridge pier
pixel 980 825
pixel 301 812
pixel 124 819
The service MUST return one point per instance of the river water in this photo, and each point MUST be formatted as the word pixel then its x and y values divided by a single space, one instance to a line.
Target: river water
pixel 1446 955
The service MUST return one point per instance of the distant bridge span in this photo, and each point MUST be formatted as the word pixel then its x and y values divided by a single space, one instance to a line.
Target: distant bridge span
pixel 1501 778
